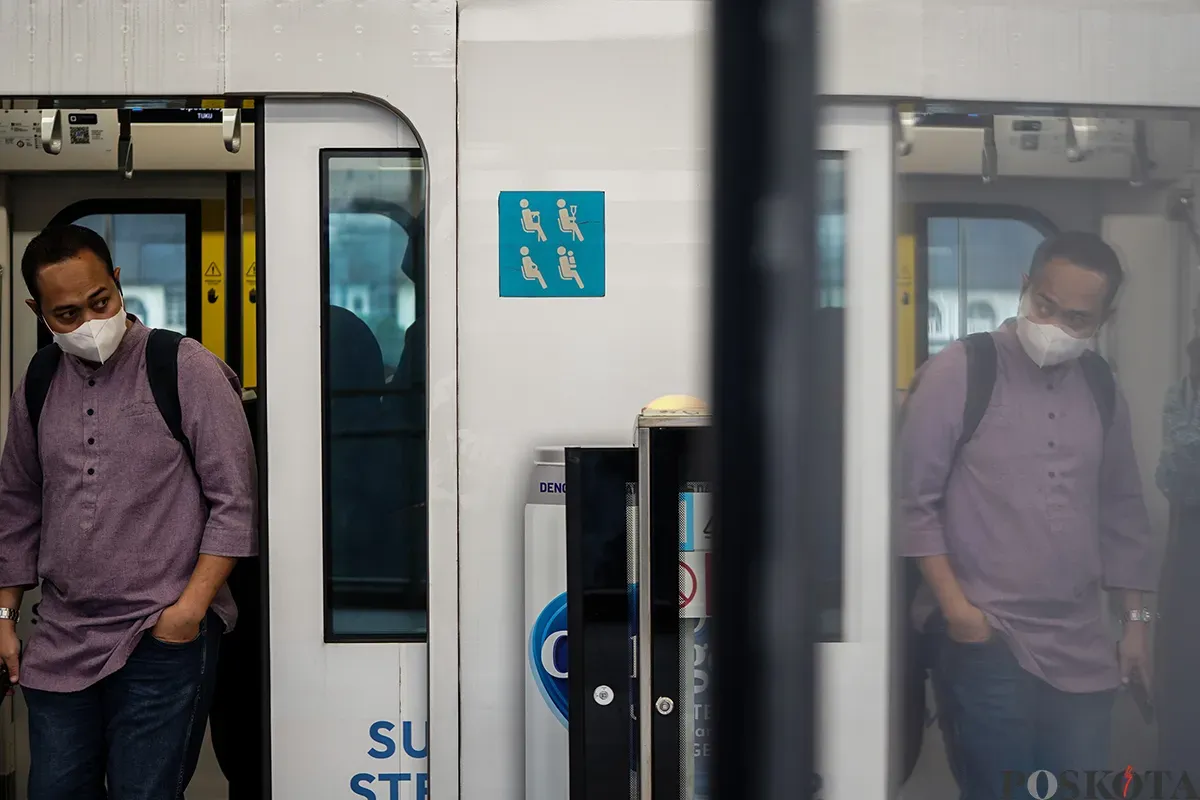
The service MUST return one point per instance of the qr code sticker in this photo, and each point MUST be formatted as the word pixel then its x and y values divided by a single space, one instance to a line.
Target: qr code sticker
pixel 81 134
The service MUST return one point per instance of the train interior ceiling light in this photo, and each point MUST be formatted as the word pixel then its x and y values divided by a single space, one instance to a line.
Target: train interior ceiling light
pixel 1046 143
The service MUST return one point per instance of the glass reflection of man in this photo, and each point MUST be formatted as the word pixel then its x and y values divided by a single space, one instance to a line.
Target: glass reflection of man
pixel 1178 648
pixel 1017 533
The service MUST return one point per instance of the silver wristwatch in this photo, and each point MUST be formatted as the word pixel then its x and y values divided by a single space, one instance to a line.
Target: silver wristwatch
pixel 10 613
pixel 1139 615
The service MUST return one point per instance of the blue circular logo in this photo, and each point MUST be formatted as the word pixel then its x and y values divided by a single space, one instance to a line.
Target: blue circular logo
pixel 548 655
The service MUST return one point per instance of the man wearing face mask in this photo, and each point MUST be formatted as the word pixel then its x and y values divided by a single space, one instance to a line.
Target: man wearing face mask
pixel 1018 526
pixel 130 530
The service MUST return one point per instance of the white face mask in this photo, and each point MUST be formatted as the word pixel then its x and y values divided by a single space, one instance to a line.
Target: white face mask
pixel 1048 345
pixel 95 340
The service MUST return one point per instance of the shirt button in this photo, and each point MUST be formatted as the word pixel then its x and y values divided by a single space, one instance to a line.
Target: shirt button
pixel 1051 414
pixel 91 441
pixel 93 411
pixel 93 472
pixel 91 383
pixel 1051 474
pixel 1052 444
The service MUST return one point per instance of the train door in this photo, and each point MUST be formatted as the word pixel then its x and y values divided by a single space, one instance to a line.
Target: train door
pixel 640 716
pixel 165 218
pixel 980 190
pixel 363 560
pixel 156 242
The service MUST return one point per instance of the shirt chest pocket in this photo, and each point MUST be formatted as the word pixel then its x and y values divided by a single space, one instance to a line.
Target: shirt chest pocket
pixel 142 420
pixel 140 428
pixel 998 446
pixel 139 409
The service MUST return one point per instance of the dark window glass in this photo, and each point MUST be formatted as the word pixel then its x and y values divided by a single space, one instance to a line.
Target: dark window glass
pixel 373 343
pixel 831 230
pixel 829 377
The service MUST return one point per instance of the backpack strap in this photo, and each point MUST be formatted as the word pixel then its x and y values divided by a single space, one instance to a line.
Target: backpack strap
pixel 162 370
pixel 38 377
pixel 1103 385
pixel 981 380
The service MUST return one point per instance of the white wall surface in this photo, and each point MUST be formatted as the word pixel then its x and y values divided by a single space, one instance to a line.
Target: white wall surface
pixel 1137 52
pixel 549 101
pixel 1118 52
pixel 1146 329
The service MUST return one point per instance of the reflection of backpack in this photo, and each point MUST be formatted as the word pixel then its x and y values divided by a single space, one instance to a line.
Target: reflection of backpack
pixel 981 379
pixel 162 371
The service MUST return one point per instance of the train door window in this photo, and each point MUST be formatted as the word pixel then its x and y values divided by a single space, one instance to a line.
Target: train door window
pixel 829 378
pixel 374 398
pixel 152 252
pixel 831 230
pixel 974 260
pixel 156 244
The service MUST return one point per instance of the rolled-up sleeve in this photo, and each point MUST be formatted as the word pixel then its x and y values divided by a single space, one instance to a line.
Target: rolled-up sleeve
pixel 1127 548
pixel 930 427
pixel 20 499
pixel 215 424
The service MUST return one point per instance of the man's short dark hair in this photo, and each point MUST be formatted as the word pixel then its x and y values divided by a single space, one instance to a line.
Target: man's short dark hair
pixel 1085 250
pixel 58 243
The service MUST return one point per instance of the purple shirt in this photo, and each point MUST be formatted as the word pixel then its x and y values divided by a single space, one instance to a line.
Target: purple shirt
pixel 1040 512
pixel 112 518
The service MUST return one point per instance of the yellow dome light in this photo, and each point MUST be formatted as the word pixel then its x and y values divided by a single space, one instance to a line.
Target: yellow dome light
pixel 676 405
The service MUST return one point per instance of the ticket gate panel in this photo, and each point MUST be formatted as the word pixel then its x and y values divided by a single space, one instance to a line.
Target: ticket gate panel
pixel 639 521
pixel 601 502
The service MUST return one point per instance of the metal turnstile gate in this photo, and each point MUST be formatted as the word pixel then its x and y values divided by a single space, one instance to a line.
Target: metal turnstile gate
pixel 639 539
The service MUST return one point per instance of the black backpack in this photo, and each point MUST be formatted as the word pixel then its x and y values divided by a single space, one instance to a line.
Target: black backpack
pixel 920 649
pixel 162 371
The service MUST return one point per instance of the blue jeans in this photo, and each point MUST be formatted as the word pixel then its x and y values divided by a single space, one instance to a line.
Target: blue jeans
pixel 1002 724
pixel 141 727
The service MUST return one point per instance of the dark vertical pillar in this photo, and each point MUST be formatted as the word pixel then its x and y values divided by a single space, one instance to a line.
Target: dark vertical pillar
pixel 764 292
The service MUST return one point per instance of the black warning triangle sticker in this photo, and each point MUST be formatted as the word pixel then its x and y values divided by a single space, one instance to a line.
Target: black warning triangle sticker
pixel 213 270
pixel 252 270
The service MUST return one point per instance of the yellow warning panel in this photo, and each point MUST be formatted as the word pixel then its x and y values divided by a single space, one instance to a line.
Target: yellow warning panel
pixel 212 276
pixel 906 310
pixel 249 298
